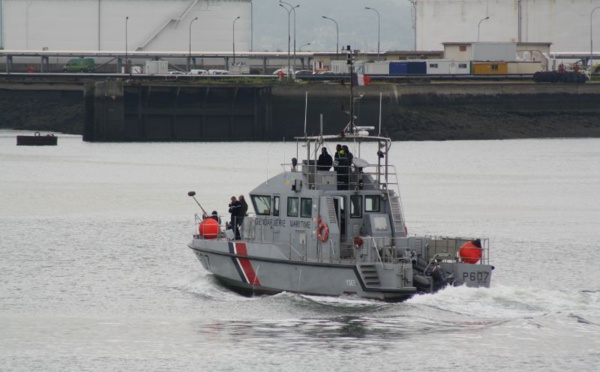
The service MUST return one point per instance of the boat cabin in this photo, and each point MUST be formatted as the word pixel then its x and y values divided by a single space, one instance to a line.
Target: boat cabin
pixel 323 209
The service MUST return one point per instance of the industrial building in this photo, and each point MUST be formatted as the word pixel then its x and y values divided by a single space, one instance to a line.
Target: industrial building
pixel 135 25
pixel 564 23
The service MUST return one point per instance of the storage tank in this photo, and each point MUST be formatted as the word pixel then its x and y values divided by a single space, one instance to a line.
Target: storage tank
pixel 566 24
pixel 111 25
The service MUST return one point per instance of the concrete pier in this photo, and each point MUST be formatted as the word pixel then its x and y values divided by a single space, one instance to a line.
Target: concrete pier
pixel 228 110
pixel 125 111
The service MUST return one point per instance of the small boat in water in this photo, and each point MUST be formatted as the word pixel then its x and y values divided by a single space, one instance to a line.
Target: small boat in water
pixel 37 140
pixel 336 229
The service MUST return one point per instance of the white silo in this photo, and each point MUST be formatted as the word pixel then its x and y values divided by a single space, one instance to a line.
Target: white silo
pixel 564 23
pixel 150 25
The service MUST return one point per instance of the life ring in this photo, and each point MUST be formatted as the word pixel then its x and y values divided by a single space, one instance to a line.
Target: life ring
pixel 322 231
pixel 358 241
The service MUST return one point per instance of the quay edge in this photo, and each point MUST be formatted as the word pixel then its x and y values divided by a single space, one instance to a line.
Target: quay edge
pixel 120 110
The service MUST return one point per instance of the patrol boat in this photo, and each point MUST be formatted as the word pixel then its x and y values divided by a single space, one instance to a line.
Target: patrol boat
pixel 335 231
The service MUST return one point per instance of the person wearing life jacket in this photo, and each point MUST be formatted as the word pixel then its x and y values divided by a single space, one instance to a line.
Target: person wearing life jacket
pixel 342 169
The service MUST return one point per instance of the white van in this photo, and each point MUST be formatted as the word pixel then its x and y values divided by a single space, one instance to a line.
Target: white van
pixel 218 72
pixel 198 72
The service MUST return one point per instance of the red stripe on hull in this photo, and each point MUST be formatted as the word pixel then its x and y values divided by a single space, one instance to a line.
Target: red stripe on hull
pixel 246 264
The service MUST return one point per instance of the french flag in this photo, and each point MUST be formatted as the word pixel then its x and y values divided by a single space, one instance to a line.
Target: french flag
pixel 360 79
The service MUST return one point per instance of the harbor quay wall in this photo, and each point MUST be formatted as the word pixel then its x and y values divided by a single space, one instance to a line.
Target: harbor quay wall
pixel 121 110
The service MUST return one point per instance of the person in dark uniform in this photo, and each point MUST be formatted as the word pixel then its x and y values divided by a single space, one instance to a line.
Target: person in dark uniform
pixel 325 160
pixel 348 154
pixel 348 169
pixel 235 209
pixel 243 210
pixel 214 215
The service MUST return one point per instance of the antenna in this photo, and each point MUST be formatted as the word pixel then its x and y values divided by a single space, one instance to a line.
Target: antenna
pixel 321 125
pixel 350 63
pixel 380 102
pixel 305 111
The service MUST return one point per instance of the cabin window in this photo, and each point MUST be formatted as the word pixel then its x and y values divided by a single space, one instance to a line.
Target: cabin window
pixel 372 203
pixel 462 48
pixel 433 65
pixel 276 206
pixel 462 65
pixel 306 208
pixel 356 206
pixel 494 67
pixel 262 204
pixel 292 207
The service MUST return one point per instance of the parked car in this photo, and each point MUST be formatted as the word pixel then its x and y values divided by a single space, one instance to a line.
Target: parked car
pixel 218 72
pixel 198 72
pixel 176 72
pixel 283 71
pixel 304 72
pixel 80 65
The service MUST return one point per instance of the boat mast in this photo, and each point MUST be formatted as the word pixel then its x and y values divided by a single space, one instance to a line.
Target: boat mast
pixel 351 64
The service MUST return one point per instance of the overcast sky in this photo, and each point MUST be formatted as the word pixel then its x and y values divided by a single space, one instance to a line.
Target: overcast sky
pixel 357 25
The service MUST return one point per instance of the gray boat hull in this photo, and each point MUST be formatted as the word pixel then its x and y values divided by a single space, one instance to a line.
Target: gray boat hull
pixel 238 266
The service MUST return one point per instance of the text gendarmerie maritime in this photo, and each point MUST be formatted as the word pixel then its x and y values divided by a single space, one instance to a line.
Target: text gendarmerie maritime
pixel 278 222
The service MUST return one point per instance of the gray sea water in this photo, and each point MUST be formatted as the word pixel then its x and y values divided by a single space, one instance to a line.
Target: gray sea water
pixel 95 274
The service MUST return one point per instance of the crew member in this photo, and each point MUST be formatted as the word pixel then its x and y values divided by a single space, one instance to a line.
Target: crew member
pixel 215 216
pixel 349 158
pixel 325 161
pixel 235 208
pixel 243 210
pixel 342 169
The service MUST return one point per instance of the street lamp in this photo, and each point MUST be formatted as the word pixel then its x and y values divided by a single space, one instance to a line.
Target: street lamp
pixel 337 32
pixel 294 10
pixel 592 38
pixel 235 20
pixel 190 52
pixel 478 25
pixel 289 12
pixel 378 28
pixel 303 45
pixel 126 21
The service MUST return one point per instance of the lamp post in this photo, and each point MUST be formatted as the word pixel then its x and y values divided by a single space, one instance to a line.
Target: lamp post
pixel 337 32
pixel 592 38
pixel 126 22
pixel 190 50
pixel 235 20
pixel 378 28
pixel 478 26
pixel 302 46
pixel 289 11
pixel 293 9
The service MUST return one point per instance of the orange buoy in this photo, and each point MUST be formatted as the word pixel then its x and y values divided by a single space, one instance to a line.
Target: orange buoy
pixel 471 252
pixel 209 228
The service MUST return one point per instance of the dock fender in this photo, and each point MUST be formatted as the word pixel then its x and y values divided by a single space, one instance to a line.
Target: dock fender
pixel 421 282
pixel 441 277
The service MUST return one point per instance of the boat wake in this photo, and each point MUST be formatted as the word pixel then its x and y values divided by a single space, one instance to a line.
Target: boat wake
pixel 206 287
